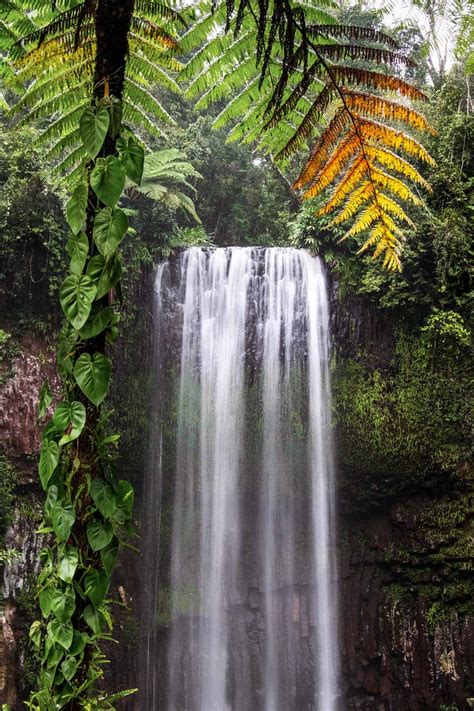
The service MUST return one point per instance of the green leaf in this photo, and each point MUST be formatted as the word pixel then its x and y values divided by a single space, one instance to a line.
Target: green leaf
pixel 95 268
pixel 110 276
pixel 48 462
pixel 77 292
pixel 63 604
pixel 68 560
pixel 93 127
pixel 45 399
pixel 54 656
pixel 79 642
pixel 62 517
pixel 98 322
pixel 106 273
pixel 49 504
pixel 110 227
pixel 109 555
pixel 94 618
pixel 93 376
pixel 126 495
pixel 103 497
pixel 61 633
pixel 132 156
pixel 35 633
pixel 69 668
pixel 99 534
pixel 96 585
pixel 108 180
pixel 69 416
pixel 45 598
pixel 76 209
pixel 78 248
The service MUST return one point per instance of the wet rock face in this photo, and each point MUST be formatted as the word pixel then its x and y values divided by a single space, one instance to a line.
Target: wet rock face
pixel 20 437
pixel 19 431
pixel 398 652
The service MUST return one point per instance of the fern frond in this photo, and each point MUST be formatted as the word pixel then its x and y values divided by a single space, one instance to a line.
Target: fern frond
pixel 151 31
pixel 365 53
pixel 396 186
pixel 376 131
pixel 143 70
pixel 354 175
pixel 378 107
pixel 158 11
pixel 393 162
pixel 352 32
pixel 323 147
pixel 376 80
pixel 361 195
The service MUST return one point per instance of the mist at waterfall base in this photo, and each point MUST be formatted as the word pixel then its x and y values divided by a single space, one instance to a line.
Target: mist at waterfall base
pixel 240 609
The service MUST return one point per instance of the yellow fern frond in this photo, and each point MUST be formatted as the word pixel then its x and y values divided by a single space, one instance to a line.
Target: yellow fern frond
pixel 393 162
pixel 389 205
pixel 396 186
pixel 378 107
pixel 360 196
pixel 349 182
pixel 374 131
pixel 323 148
pixel 348 149
pixel 366 218
pixel 386 241
pixel 376 80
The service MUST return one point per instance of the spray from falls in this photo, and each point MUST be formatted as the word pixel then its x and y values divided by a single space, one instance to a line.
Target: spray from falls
pixel 251 581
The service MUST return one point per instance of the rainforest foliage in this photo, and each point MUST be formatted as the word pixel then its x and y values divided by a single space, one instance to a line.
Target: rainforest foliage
pixel 157 130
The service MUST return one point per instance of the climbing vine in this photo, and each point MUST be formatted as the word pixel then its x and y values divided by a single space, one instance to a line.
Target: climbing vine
pixel 88 509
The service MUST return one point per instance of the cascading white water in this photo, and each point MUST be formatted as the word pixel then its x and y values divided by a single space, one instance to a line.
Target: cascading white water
pixel 252 572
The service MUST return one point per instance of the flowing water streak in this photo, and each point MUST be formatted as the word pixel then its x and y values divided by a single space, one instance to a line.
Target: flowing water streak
pixel 291 328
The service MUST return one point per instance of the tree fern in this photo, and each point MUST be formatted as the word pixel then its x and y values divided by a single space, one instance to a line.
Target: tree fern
pixel 315 81
pixel 53 69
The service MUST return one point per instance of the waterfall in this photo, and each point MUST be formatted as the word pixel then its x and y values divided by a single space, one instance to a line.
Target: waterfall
pixel 250 596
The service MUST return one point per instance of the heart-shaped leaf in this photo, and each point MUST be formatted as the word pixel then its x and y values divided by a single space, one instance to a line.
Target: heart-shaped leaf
pixel 103 497
pixel 62 517
pixel 108 180
pixel 110 276
pixel 132 156
pixel 61 633
pixel 63 604
pixel 76 209
pixel 93 376
pixel 76 294
pixel 94 618
pixel 35 633
pixel 99 534
pixel 79 642
pixel 110 227
pixel 45 598
pixel 109 555
pixel 78 248
pixel 68 560
pixel 69 668
pixel 96 585
pixel 105 273
pixel 93 127
pixel 70 416
pixel 54 656
pixel 98 322
pixel 48 462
